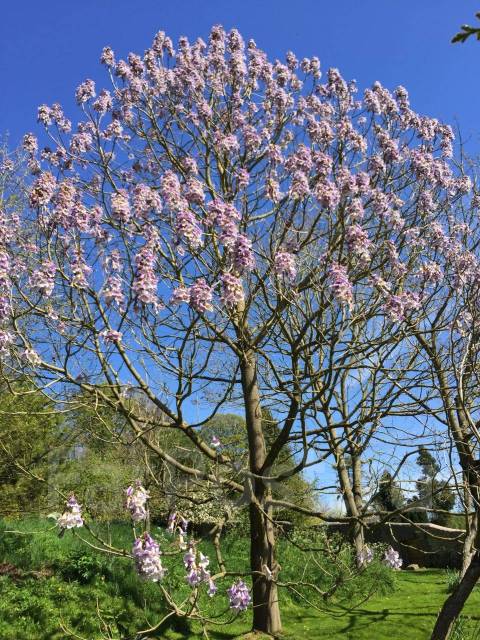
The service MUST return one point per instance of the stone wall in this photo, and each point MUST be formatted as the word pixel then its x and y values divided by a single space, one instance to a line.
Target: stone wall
pixel 428 545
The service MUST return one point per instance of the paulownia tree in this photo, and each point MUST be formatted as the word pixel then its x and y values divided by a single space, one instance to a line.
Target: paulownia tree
pixel 223 227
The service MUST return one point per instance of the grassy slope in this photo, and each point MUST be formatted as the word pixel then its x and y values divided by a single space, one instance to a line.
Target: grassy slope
pixel 32 609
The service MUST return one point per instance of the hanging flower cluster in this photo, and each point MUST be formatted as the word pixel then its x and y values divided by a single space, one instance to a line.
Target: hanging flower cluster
pixel 392 559
pixel 136 501
pixel 365 556
pixel 239 596
pixel 284 265
pixel 178 524
pixel 146 553
pixel 72 516
pixel 196 565
pixel 199 296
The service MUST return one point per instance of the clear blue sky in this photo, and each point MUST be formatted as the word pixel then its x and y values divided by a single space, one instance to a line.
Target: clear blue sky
pixel 47 48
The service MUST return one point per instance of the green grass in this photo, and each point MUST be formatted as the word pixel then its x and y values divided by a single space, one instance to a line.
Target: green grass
pixel 90 592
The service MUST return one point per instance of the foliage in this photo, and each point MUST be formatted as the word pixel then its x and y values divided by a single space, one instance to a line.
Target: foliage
pixel 466 32
pixel 389 495
pixel 434 493
pixel 33 436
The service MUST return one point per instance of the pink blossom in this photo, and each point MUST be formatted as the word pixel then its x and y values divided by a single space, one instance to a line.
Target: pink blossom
pixel 284 265
pixel 146 280
pixel 243 259
pixel 30 144
pixel 107 58
pixel 226 143
pixel 327 194
pixel 121 206
pixel 104 102
pixel 42 190
pixel 358 242
pixel 145 199
pixel 112 290
pixel 232 290
pixel 109 335
pixel 43 278
pixel 180 295
pixel 85 91
pixel 396 306
pixel 171 191
pixel 188 229
pixel 340 284
pixel 201 296
pixel 299 187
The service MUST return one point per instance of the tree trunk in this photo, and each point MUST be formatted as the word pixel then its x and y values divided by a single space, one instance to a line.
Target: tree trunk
pixel 469 544
pixel 266 609
pixel 352 500
pixel 453 605
pixel 468 550
pixel 358 528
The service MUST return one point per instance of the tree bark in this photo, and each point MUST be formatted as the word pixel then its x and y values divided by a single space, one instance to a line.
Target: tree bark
pixel 469 544
pixel 453 605
pixel 353 500
pixel 266 609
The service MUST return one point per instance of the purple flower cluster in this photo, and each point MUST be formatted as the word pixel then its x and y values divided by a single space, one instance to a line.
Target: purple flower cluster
pixel 6 339
pixel 80 271
pixel 43 278
pixel 85 91
pixel 396 306
pixel 243 259
pixel 225 216
pixel 284 265
pixel 30 144
pixel 199 296
pixel 358 242
pixel 392 559
pixel 121 206
pixel 72 516
pixel 42 190
pixel 145 199
pixel 239 596
pixel 111 336
pixel 145 281
pixel 196 565
pixel 136 501
pixel 146 554
pixel 365 556
pixel 188 229
pixel 232 290
pixel 177 523
pixel 112 290
pixel 340 284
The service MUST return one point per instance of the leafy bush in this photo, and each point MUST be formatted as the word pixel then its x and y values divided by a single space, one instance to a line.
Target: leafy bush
pixel 83 567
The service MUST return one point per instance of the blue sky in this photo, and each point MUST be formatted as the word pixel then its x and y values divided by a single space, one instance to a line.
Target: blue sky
pixel 47 48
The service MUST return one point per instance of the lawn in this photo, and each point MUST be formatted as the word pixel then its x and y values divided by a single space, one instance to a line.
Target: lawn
pixel 64 583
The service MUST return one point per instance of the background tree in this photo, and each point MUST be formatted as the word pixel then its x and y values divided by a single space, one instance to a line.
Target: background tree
pixel 434 493
pixel 389 496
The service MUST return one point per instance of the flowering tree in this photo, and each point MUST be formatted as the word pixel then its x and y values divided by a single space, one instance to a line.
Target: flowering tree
pixel 222 227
